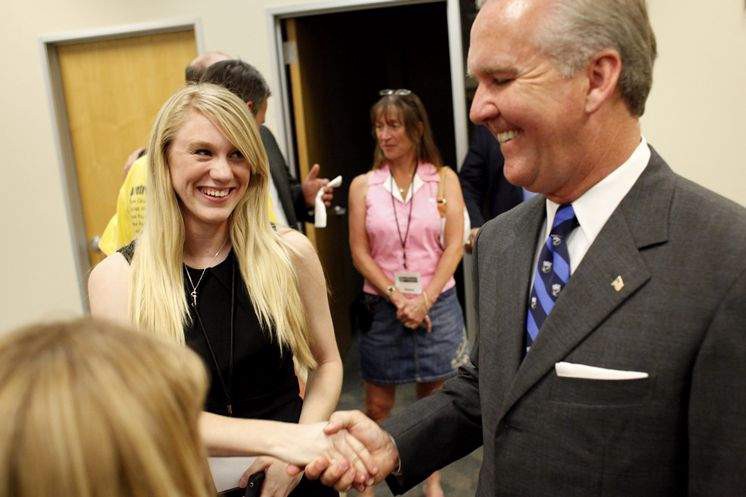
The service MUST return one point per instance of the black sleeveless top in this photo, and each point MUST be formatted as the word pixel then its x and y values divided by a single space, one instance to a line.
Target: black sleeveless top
pixel 263 384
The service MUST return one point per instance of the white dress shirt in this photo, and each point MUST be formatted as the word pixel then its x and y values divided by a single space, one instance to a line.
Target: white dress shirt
pixel 595 206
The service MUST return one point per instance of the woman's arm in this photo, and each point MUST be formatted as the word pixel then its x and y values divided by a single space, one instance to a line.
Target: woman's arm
pixel 224 436
pixel 415 310
pixel 325 381
pixel 108 289
pixel 361 257
pixel 294 443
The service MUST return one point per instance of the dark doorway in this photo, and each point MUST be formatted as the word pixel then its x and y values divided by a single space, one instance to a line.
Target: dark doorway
pixel 343 61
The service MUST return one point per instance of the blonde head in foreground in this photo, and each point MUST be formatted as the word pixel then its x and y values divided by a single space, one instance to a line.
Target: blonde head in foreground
pixel 89 409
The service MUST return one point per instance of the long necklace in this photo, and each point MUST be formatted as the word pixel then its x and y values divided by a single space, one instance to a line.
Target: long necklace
pixel 193 293
pixel 403 240
pixel 225 385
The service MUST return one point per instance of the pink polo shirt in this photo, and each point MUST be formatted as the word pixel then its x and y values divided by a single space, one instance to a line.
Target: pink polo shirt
pixel 423 246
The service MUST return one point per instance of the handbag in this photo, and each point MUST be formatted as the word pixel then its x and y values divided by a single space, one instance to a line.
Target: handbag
pixel 361 313
pixel 442 201
pixel 253 487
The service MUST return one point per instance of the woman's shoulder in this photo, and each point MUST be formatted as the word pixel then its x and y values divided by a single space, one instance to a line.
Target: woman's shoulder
pixel 297 241
pixel 430 172
pixel 112 269
pixel 378 175
pixel 361 181
pixel 108 288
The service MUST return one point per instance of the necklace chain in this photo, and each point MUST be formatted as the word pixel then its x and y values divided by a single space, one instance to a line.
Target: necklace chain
pixel 193 293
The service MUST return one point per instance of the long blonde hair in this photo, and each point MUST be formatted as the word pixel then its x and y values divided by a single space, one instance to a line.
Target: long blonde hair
pixel 157 298
pixel 94 410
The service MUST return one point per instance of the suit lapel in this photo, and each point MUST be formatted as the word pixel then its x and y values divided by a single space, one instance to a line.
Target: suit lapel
pixel 505 310
pixel 640 220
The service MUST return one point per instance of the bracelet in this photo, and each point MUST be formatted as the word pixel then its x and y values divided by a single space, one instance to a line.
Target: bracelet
pixel 427 299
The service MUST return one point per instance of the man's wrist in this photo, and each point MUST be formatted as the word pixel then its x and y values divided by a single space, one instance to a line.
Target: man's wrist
pixel 397 461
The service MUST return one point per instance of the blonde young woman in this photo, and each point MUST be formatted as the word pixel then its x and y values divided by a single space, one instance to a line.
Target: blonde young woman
pixel 209 270
pixel 94 410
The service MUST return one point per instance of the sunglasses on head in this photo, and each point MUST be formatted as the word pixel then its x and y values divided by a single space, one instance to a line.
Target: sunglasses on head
pixel 401 92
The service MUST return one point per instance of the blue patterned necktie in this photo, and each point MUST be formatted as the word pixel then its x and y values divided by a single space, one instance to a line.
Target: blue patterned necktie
pixel 552 272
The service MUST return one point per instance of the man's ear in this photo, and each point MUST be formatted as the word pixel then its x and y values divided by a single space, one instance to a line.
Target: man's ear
pixel 250 104
pixel 603 73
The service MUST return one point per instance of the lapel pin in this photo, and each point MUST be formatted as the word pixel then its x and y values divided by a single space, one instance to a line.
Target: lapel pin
pixel 618 283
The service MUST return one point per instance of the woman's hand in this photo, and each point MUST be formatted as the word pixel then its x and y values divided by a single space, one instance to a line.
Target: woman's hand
pixel 277 481
pixel 413 313
pixel 310 442
pixel 398 299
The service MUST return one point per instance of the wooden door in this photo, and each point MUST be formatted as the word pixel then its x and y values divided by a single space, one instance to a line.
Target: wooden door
pixel 112 91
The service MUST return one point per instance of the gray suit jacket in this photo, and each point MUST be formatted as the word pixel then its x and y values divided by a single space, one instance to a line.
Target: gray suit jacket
pixel 681 317
pixel 288 188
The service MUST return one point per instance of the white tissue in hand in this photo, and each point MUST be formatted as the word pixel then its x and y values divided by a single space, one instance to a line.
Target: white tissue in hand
pixel 319 211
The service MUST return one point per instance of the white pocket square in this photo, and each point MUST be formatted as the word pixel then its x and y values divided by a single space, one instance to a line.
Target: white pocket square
pixel 570 370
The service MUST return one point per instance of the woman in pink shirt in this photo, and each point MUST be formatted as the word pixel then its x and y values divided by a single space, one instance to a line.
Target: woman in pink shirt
pixel 406 231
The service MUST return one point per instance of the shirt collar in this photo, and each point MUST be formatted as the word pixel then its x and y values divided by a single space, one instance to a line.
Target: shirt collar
pixel 425 172
pixel 596 205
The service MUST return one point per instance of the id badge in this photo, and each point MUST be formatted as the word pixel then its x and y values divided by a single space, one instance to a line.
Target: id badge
pixel 408 282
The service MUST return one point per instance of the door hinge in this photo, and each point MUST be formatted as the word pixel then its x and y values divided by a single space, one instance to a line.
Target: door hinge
pixel 290 52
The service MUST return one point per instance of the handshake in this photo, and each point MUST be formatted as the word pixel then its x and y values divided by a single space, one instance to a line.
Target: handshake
pixel 351 451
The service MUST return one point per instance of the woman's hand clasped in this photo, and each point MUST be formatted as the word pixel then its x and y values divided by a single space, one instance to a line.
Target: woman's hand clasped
pixel 341 450
pixel 413 313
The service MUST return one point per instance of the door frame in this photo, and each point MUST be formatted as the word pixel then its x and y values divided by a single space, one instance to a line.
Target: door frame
pixel 281 54
pixel 63 143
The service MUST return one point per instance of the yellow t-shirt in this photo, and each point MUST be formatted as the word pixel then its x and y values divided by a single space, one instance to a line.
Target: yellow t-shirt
pixel 129 219
pixel 127 223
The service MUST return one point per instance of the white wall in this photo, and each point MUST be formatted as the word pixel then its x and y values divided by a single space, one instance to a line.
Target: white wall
pixel 693 117
pixel 696 111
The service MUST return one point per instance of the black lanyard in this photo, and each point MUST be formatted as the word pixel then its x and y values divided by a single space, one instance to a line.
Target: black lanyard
pixel 223 383
pixel 403 240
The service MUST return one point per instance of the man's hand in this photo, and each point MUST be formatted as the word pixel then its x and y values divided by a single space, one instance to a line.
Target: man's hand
pixel 277 482
pixel 341 451
pixel 378 443
pixel 311 185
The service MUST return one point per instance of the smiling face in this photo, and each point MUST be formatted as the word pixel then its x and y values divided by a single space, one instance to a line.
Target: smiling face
pixel 208 173
pixel 392 137
pixel 536 114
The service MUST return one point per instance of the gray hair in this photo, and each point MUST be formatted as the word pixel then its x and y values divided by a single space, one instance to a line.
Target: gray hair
pixel 577 29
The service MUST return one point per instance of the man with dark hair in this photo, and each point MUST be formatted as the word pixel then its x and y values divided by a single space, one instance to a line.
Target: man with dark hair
pixel 196 68
pixel 295 198
pixel 241 78
pixel 292 200
pixel 611 357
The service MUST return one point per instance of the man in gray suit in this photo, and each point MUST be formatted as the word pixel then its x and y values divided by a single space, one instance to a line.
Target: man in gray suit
pixel 611 308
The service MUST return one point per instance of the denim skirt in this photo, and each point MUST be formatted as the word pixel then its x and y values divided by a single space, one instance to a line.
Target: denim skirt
pixel 390 353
